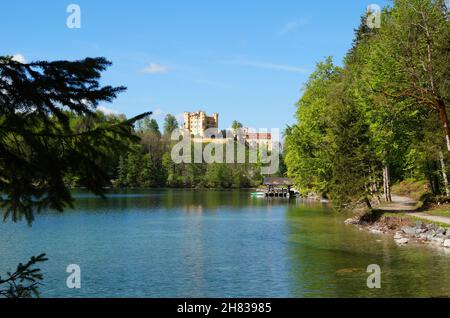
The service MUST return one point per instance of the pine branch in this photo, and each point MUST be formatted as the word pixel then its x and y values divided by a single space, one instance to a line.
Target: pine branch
pixel 24 282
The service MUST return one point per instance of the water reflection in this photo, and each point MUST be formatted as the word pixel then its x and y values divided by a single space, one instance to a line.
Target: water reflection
pixel 330 260
pixel 200 243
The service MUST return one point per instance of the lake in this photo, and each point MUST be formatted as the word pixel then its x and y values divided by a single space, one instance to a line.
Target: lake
pixel 203 243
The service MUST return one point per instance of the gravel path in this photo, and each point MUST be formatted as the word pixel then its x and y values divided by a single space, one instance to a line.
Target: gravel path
pixel 408 205
pixel 434 218
pixel 399 204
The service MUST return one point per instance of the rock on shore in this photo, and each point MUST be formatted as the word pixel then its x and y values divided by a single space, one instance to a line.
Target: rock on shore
pixel 403 233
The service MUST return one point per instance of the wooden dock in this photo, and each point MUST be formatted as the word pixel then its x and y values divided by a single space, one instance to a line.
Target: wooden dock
pixel 278 187
pixel 278 193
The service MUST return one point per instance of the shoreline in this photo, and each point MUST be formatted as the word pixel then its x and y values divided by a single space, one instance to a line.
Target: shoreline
pixel 404 229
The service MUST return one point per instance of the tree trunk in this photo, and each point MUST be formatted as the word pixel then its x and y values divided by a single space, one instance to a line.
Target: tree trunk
pixel 377 193
pixel 434 177
pixel 374 187
pixel 387 184
pixel 444 173
pixel 369 205
pixel 444 122
pixel 430 181
pixel 430 172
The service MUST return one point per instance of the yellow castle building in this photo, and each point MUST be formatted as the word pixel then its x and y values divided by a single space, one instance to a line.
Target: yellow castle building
pixel 198 122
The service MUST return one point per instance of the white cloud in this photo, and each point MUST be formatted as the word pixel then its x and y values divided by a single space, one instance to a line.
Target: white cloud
pixel 19 58
pixel 154 68
pixel 292 25
pixel 268 65
pixel 108 111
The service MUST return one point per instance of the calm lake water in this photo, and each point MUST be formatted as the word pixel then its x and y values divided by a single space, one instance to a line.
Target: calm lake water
pixel 185 243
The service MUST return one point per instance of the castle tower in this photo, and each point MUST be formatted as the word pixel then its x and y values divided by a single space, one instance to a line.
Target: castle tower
pixel 186 124
pixel 198 122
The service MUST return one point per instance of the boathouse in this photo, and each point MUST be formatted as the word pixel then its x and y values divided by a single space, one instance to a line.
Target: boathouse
pixel 278 187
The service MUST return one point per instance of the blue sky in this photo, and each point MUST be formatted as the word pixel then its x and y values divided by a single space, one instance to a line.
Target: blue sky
pixel 246 60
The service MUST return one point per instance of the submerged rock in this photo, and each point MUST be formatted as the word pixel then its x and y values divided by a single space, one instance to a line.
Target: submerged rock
pixel 430 235
pixel 402 241
pixel 431 227
pixel 409 230
pixel 447 243
pixel 420 231
pixel 351 221
pixel 422 236
pixel 404 232
pixel 419 224
pixel 437 240
pixel 375 231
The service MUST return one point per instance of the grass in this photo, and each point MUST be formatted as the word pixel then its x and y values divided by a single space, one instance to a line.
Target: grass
pixel 413 218
pixel 440 211
pixel 418 191
pixel 411 188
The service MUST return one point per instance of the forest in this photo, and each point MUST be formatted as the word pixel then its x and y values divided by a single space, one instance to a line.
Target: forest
pixel 148 163
pixel 54 138
pixel 381 117
pixel 376 121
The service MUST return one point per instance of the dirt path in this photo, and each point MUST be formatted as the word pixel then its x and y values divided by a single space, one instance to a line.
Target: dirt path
pixel 408 205
pixel 399 204
pixel 434 218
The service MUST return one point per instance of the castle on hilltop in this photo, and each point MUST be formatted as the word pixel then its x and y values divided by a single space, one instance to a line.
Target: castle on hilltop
pixel 198 122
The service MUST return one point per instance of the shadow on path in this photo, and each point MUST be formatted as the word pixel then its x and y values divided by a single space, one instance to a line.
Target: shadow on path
pixel 407 205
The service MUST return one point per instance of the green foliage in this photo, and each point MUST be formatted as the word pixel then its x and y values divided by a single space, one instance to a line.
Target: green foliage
pixel 170 124
pixel 51 139
pixel 383 111
pixel 24 282
pixel 236 125
pixel 40 147
pixel 350 139
pixel 307 146
pixel 411 188
pixel 148 124
pixel 149 164
pixel 215 175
